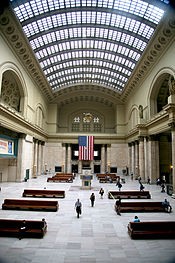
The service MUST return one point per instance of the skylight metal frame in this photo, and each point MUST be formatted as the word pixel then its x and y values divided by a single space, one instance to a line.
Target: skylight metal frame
pixel 89 41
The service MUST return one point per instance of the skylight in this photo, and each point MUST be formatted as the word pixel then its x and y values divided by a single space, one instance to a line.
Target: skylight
pixel 88 41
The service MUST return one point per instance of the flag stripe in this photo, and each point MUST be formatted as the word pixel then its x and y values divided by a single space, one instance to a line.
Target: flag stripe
pixel 86 147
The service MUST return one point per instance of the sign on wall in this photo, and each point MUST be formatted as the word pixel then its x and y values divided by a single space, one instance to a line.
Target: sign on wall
pixel 6 147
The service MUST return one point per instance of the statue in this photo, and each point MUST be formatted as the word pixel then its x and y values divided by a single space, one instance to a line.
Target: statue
pixel 171 85
pixel 141 111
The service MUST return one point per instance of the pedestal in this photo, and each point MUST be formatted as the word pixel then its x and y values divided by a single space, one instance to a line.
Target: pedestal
pixel 86 181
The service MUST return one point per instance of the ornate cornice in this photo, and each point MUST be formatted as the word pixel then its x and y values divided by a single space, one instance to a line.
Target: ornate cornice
pixel 160 42
pixel 16 39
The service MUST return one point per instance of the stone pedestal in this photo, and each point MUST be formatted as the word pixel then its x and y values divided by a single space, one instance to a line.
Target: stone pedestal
pixel 86 181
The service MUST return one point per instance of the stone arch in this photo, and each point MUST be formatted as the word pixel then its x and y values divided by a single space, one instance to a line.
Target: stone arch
pixel 13 89
pixel 133 117
pixel 159 90
pixel 40 115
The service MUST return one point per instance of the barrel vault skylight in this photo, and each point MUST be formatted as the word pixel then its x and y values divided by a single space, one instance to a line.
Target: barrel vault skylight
pixel 88 41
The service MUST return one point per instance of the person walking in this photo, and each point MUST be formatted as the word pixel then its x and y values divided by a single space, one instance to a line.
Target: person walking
pixel 101 192
pixel 141 187
pixel 92 198
pixel 78 207
pixel 119 186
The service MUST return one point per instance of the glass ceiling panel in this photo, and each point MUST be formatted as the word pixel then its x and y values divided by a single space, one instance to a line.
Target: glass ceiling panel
pixel 93 41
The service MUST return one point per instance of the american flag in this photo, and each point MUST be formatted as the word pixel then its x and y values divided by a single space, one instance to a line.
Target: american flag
pixel 86 147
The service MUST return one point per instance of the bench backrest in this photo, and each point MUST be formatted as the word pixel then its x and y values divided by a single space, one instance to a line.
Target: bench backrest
pixel 40 191
pixel 30 202
pixel 157 225
pixel 141 204
pixel 11 223
pixel 132 193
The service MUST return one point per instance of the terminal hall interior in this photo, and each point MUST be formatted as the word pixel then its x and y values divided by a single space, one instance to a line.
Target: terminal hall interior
pixel 87 68
pixel 87 103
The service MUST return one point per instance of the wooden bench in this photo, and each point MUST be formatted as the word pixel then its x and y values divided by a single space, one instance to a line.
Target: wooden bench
pixel 142 207
pixel 152 230
pixel 20 204
pixel 43 193
pixel 106 178
pixel 63 178
pixel 128 194
pixel 11 228
pixel 70 175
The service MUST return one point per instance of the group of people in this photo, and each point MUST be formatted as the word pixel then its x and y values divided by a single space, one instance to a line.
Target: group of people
pixel 78 204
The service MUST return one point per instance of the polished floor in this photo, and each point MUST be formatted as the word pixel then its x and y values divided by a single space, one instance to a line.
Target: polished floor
pixel 99 235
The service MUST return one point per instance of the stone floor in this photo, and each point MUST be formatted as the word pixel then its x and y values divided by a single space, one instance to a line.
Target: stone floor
pixel 99 235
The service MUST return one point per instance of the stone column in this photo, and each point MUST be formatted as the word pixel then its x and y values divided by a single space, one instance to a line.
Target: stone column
pixel 153 158
pixel 103 159
pixel 64 157
pixel 141 158
pixel 108 157
pixel 21 173
pixel 172 125
pixel 43 167
pixel 130 157
pixel 133 157
pixel 69 158
pixel 35 162
pixel 136 168
pixel 147 174
pixel 39 158
pixel 79 167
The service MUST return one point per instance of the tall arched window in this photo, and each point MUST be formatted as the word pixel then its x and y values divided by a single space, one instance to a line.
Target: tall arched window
pixel 87 122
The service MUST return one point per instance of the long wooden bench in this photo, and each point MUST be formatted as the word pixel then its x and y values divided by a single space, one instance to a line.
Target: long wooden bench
pixel 43 193
pixel 20 204
pixel 34 229
pixel 142 207
pixel 106 178
pixel 70 175
pixel 152 230
pixel 63 178
pixel 128 194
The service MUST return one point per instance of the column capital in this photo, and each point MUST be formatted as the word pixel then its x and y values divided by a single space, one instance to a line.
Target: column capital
pixel 22 135
pixel 172 125
pixel 153 137
pixel 141 138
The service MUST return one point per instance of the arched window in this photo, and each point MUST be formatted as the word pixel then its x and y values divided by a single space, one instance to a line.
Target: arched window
pixel 10 93
pixel 39 117
pixel 87 122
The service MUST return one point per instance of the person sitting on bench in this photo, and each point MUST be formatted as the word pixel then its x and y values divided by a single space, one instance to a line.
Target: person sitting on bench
pixel 22 229
pixel 118 206
pixel 136 219
pixel 167 205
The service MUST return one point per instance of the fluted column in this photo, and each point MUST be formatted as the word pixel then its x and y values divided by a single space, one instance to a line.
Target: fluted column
pixel 21 173
pixel 147 174
pixel 35 155
pixel 39 158
pixel 79 167
pixel 172 125
pixel 153 158
pixel 141 158
pixel 103 159
pixel 130 157
pixel 133 158
pixel 64 157
pixel 137 169
pixel 43 168
pixel 69 158
pixel 108 158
